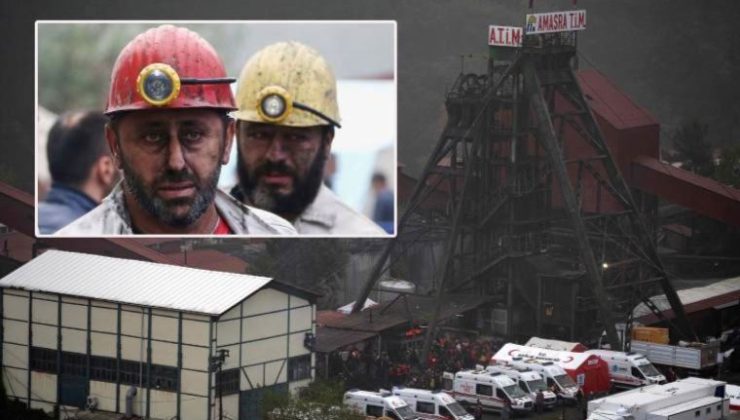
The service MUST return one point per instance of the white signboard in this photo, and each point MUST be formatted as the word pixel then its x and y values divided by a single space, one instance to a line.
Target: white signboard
pixel 540 23
pixel 505 36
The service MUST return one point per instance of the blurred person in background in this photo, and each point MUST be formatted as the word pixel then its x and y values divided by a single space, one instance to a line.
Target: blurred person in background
pixel 287 100
pixel 81 168
pixel 383 213
pixel 169 133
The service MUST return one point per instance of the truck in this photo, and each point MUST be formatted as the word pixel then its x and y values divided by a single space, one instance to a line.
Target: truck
pixel 378 404
pixel 684 399
pixel 697 357
pixel 432 404
pixel 493 390
pixel 628 370
pixel 529 381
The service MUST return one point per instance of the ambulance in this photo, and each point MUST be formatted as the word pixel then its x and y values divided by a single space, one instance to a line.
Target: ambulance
pixel 629 369
pixel 529 381
pixel 555 377
pixel 493 390
pixel 377 404
pixel 432 404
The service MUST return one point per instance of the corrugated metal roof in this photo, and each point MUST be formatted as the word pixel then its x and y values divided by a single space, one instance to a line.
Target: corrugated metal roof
pixel 695 298
pixel 134 282
pixel 611 103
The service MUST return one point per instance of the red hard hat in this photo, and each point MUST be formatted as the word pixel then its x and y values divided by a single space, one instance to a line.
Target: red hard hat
pixel 169 67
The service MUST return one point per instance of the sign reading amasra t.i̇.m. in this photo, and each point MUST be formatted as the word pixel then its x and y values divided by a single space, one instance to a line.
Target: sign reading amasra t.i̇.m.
pixel 505 36
pixel 571 20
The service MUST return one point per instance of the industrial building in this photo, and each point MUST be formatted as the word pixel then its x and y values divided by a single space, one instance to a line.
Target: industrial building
pixel 80 329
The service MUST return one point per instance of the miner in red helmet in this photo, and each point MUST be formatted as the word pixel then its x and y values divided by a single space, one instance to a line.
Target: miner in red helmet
pixel 169 133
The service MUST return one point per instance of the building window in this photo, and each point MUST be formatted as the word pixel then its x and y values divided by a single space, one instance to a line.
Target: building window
pixel 164 377
pixel 228 381
pixel 43 360
pixel 102 368
pixel 299 368
pixel 74 364
pixel 129 372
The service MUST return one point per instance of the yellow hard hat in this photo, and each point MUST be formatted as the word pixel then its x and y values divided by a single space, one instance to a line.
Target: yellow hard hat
pixel 287 83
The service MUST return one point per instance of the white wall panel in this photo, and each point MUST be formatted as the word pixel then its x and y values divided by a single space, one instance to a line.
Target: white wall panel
pixel 233 360
pixel 267 325
pixel 276 372
pixel 164 328
pixel 44 336
pixel 74 340
pixel 104 319
pixel 300 319
pixel 264 350
pixel 74 316
pixel 296 345
pixel 227 332
pixel 131 323
pixel 103 344
pixel 15 331
pixel 44 386
pixel 164 353
pixel 15 306
pixel 193 408
pixel 194 357
pixel 194 383
pixel 133 348
pixel 106 394
pixel 164 404
pixel 15 356
pixel 44 311
pixel 266 300
pixel 16 382
pixel 195 332
pixel 255 375
pixel 296 301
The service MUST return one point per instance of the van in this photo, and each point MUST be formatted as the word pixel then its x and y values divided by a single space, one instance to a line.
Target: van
pixel 491 389
pixel 628 370
pixel 529 381
pixel 377 404
pixel 437 404
pixel 555 377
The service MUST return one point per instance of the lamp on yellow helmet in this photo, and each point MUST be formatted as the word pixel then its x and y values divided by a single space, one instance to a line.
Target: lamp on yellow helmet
pixel 287 83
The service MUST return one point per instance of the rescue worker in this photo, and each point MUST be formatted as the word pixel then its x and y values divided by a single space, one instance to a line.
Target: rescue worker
pixel 539 401
pixel 169 133
pixel 287 114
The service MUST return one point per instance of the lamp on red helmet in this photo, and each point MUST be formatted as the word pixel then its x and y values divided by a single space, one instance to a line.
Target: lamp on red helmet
pixel 169 67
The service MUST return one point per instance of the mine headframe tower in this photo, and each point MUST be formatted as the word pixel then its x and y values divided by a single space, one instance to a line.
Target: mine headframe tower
pixel 536 213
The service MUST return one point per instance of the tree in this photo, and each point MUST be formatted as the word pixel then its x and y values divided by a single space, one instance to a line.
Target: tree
pixel 692 146
pixel 728 170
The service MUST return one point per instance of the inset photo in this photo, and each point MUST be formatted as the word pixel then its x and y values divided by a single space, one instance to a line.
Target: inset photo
pixel 205 128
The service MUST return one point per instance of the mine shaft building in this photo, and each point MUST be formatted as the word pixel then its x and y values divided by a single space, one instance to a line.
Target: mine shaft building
pixel 81 329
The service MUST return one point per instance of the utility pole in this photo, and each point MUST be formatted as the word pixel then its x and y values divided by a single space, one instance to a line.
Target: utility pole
pixel 217 363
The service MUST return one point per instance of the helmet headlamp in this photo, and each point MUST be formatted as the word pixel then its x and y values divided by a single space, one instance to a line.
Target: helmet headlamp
pixel 275 104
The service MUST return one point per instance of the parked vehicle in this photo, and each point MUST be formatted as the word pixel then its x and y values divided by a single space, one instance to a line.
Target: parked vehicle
pixel 629 369
pixel 529 381
pixel 491 389
pixel 556 378
pixel 697 357
pixel 684 399
pixel 377 404
pixel 432 404
pixel 589 372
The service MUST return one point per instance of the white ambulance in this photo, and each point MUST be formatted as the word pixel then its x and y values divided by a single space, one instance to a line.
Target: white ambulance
pixel 629 369
pixel 555 377
pixel 491 389
pixel 432 404
pixel 529 381
pixel 377 404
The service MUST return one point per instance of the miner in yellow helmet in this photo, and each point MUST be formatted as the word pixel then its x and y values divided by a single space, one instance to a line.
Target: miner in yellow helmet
pixel 287 112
